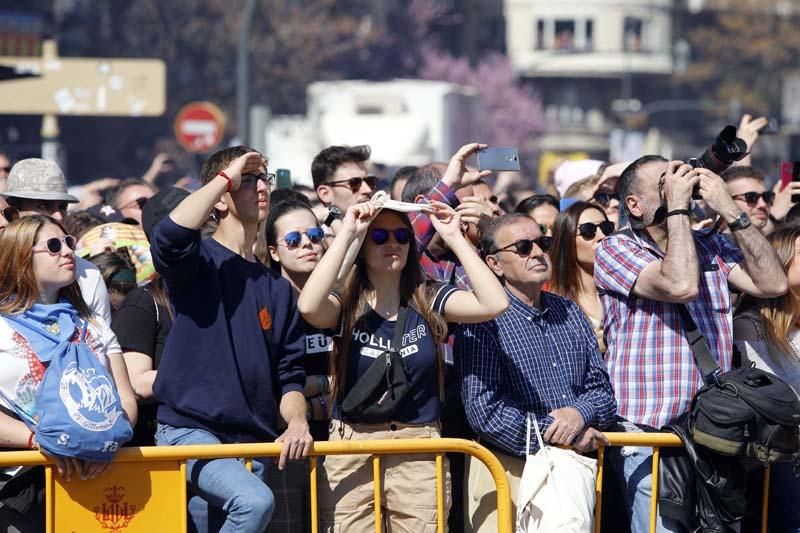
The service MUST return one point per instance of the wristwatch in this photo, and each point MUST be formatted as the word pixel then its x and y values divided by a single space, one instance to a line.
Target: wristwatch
pixel 740 222
pixel 333 213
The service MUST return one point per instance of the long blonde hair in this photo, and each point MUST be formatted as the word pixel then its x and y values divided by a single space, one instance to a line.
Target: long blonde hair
pixel 780 313
pixel 18 287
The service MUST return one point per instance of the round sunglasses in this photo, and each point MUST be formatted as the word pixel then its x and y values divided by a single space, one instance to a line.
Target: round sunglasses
pixel 355 183
pixel 53 245
pixel 524 246
pixel 293 239
pixel 588 230
pixel 751 198
pixel 381 236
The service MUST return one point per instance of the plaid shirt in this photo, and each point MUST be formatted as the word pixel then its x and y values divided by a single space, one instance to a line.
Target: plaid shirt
pixel 444 268
pixel 528 361
pixel 651 364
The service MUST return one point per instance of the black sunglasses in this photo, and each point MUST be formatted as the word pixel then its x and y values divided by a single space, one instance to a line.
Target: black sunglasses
pixel 355 183
pixel 141 202
pixel 751 198
pixel 5 169
pixel 381 236
pixel 294 238
pixel 54 246
pixel 524 246
pixel 588 230
pixel 604 198
pixel 251 179
pixel 10 213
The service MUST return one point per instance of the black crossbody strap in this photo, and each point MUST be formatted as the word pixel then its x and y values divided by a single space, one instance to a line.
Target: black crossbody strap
pixel 397 338
pixel 702 354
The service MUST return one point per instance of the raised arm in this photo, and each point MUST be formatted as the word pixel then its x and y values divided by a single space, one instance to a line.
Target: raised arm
pixel 315 302
pixel 193 211
pixel 676 277
pixel 761 273
pixel 488 299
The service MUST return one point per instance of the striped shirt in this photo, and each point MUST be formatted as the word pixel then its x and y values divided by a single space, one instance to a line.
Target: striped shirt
pixel 531 361
pixel 649 359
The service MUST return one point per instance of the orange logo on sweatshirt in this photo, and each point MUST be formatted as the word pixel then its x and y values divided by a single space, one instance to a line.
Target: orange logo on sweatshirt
pixel 266 320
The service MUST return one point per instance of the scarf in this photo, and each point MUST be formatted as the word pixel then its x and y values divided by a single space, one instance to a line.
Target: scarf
pixel 48 328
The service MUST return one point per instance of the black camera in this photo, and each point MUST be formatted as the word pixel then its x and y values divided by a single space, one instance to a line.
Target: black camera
pixel 726 150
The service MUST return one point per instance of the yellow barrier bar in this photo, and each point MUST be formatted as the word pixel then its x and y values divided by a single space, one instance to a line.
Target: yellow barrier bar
pixel 765 499
pixel 439 494
pixel 654 490
pixel 376 483
pixel 48 500
pixel 598 489
pixel 313 488
pixel 184 510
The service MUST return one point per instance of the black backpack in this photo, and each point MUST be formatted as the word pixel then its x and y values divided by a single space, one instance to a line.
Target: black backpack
pixel 747 412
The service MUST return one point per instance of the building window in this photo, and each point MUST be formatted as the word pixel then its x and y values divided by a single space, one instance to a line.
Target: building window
pixel 589 44
pixel 632 36
pixel 565 35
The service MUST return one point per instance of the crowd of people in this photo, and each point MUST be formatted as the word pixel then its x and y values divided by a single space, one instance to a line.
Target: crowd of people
pixel 240 313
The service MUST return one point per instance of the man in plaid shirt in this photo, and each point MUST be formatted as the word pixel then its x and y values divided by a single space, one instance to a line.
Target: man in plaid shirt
pixel 643 275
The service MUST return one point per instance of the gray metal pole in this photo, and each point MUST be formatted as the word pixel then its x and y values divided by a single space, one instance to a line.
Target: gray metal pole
pixel 243 74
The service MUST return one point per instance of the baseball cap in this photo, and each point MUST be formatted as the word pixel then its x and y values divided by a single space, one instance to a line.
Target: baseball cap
pixel 37 179
pixel 108 213
pixel 159 206
pixel 569 172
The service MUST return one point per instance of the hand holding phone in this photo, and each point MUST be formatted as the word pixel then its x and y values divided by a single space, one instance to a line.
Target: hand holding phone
pixel 789 172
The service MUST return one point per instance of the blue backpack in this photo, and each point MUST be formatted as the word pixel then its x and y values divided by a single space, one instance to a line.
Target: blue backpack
pixel 78 410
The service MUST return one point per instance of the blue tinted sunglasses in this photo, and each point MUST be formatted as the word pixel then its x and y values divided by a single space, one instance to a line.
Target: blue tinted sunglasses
pixel 381 236
pixel 294 238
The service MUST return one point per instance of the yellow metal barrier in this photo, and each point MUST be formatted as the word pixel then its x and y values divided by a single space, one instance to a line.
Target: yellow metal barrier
pixel 655 441
pixel 155 477
pixel 145 488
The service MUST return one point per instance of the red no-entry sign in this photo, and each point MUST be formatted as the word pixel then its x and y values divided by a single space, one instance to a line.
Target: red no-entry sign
pixel 199 126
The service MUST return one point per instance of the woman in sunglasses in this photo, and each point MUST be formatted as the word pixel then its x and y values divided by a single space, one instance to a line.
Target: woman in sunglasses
pixel 41 311
pixel 384 284
pixel 576 234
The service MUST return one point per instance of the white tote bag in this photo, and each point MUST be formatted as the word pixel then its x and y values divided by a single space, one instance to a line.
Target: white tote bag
pixel 557 489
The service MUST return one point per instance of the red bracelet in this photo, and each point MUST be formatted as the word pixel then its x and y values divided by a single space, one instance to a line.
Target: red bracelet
pixel 30 441
pixel 230 181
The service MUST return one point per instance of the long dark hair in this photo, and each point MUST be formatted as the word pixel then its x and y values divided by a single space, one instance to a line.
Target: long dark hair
pixel 413 293
pixel 566 279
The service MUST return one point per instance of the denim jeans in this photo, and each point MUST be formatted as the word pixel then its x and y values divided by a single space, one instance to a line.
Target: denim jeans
pixel 224 483
pixel 633 466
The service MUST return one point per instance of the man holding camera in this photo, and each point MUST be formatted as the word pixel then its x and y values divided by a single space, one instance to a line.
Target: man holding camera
pixel 644 274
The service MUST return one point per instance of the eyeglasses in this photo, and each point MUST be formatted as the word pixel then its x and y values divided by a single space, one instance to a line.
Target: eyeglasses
pixel 140 202
pixel 588 230
pixel 53 244
pixel 751 198
pixel 294 238
pixel 381 236
pixel 355 183
pixel 524 246
pixel 10 213
pixel 604 198
pixel 248 180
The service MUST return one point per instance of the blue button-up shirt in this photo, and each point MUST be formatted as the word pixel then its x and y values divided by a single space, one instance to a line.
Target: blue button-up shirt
pixel 531 361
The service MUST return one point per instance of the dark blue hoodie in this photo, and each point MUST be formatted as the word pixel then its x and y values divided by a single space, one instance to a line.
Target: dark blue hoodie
pixel 237 343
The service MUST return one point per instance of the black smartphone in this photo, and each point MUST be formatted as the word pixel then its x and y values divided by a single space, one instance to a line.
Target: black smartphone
pixel 790 171
pixel 283 178
pixel 502 159
pixel 772 127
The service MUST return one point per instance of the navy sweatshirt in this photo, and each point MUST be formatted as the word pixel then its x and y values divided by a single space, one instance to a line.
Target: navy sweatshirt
pixel 237 344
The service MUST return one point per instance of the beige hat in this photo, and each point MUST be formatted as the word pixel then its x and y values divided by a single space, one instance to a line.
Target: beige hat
pixel 39 180
pixel 569 172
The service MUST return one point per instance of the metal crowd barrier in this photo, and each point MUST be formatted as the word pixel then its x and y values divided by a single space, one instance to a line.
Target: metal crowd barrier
pixel 145 489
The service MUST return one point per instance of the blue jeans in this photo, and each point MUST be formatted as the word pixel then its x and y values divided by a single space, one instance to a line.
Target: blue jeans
pixel 224 483
pixel 633 466
pixel 784 495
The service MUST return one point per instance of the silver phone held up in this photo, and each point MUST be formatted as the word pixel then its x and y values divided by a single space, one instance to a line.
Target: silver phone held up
pixel 501 159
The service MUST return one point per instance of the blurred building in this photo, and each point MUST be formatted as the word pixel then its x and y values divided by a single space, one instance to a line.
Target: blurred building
pixel 585 56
